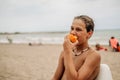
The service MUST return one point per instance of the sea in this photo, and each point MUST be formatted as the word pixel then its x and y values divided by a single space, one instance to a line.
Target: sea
pixel 99 36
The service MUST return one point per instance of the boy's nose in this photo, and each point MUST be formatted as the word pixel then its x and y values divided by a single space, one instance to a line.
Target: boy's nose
pixel 73 32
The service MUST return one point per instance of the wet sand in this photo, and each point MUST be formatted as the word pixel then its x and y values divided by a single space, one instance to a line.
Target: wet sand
pixel 38 62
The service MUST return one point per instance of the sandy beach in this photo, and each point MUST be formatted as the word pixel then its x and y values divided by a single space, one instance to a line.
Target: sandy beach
pixel 38 62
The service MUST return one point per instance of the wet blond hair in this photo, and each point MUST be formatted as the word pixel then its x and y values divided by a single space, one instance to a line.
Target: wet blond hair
pixel 88 22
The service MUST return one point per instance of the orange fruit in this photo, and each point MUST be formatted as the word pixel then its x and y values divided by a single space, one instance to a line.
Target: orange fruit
pixel 72 38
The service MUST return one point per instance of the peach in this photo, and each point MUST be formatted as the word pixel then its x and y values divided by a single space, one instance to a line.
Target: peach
pixel 72 38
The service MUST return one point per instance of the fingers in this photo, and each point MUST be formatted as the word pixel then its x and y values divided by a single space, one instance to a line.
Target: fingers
pixel 66 38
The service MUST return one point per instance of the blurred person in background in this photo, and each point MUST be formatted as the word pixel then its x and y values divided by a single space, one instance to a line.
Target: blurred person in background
pixel 113 43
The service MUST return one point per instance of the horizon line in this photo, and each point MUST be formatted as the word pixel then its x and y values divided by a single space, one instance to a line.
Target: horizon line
pixel 47 31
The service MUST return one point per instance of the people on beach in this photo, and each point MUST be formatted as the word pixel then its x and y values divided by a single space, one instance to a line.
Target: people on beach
pixel 9 39
pixel 100 47
pixel 78 61
pixel 113 43
pixel 118 47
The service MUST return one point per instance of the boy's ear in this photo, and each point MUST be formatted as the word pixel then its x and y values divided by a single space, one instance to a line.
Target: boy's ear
pixel 90 34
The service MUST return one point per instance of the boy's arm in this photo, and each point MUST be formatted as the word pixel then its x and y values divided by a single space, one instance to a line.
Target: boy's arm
pixel 89 66
pixel 85 71
pixel 60 68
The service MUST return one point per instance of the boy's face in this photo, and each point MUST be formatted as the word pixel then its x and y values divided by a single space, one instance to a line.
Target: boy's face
pixel 78 28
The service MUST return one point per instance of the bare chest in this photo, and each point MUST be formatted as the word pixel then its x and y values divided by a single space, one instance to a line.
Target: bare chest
pixel 79 61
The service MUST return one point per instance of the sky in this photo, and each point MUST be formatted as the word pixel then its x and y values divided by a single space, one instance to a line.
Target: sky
pixel 56 15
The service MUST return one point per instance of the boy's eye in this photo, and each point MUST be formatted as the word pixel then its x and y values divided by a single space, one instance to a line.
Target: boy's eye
pixel 78 29
pixel 72 28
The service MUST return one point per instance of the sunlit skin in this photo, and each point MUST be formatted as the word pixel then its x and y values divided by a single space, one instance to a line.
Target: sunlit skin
pixel 83 67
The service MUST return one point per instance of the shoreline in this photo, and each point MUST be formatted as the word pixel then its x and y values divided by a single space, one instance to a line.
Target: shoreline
pixel 47 44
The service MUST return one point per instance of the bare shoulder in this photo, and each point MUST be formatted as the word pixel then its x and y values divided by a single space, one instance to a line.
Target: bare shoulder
pixel 94 54
pixel 94 57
